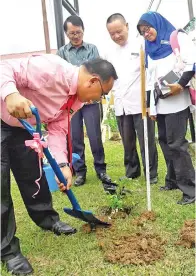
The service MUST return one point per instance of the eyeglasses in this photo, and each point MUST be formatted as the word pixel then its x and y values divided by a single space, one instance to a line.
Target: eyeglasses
pixel 145 30
pixel 102 91
pixel 72 34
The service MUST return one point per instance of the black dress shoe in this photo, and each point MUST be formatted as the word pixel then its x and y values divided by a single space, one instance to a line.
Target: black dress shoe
pixel 110 187
pixel 63 228
pixel 104 178
pixel 80 180
pixel 19 265
pixel 186 200
pixel 167 188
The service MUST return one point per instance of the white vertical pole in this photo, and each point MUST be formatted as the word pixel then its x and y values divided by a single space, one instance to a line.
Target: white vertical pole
pixel 147 164
pixel 144 116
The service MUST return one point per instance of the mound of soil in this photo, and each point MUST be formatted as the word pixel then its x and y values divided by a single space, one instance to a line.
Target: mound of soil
pixel 138 249
pixel 145 216
pixel 187 234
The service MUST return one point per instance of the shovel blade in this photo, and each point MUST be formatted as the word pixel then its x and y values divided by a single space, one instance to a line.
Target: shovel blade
pixel 86 216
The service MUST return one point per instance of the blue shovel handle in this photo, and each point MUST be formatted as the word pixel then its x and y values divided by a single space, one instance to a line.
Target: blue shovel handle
pixel 49 157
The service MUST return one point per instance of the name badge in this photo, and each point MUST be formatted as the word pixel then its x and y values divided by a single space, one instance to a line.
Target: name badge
pixel 165 42
pixel 135 54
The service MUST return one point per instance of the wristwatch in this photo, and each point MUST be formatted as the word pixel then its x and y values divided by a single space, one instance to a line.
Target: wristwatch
pixel 61 165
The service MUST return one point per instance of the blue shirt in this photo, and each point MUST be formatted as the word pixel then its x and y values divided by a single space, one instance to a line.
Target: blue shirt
pixel 78 55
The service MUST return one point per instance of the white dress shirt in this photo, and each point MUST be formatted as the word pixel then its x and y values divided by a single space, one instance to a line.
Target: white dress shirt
pixel 126 60
pixel 159 68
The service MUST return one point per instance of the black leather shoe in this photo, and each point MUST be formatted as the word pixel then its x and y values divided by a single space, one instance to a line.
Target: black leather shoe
pixel 186 200
pixel 80 180
pixel 104 177
pixel 110 187
pixel 63 228
pixel 19 265
pixel 167 188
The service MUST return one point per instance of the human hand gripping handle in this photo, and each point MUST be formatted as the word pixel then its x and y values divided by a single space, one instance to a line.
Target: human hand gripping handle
pixel 18 106
pixel 62 179
pixel 68 176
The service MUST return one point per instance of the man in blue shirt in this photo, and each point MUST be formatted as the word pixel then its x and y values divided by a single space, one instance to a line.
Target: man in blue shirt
pixel 77 52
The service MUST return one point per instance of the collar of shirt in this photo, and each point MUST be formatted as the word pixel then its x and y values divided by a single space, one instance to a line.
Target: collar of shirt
pixel 70 46
pixel 132 44
pixel 74 82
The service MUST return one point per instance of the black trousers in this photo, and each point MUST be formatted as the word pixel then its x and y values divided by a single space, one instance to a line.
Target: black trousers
pixel 91 115
pixel 131 126
pixel 23 162
pixel 172 130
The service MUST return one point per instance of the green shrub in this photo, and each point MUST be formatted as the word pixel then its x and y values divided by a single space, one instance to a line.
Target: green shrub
pixel 111 120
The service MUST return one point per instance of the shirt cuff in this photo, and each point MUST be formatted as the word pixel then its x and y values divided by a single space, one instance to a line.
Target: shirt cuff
pixel 185 78
pixel 9 89
pixel 61 157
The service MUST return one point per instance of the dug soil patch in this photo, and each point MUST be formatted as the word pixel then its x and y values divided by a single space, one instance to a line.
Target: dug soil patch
pixel 145 216
pixel 138 249
pixel 187 234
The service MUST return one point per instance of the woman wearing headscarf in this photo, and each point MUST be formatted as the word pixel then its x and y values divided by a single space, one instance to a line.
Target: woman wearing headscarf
pixel 170 111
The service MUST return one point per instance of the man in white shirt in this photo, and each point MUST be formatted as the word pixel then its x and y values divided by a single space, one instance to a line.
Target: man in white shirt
pixel 127 99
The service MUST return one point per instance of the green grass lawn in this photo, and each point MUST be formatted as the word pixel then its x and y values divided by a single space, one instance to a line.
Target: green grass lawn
pixel 79 255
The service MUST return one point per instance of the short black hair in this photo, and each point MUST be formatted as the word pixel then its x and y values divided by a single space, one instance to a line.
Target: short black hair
pixel 74 20
pixel 101 67
pixel 116 16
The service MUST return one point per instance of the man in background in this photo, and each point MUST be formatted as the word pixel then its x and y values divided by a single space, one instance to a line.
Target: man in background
pixel 127 99
pixel 77 52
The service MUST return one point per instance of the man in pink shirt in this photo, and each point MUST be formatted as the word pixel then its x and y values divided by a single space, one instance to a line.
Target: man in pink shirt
pixel 44 81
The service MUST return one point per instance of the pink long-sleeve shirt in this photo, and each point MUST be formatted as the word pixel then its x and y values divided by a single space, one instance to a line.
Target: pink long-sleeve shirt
pixel 47 80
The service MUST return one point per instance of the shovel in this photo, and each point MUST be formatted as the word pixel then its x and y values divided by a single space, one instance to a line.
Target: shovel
pixel 76 212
